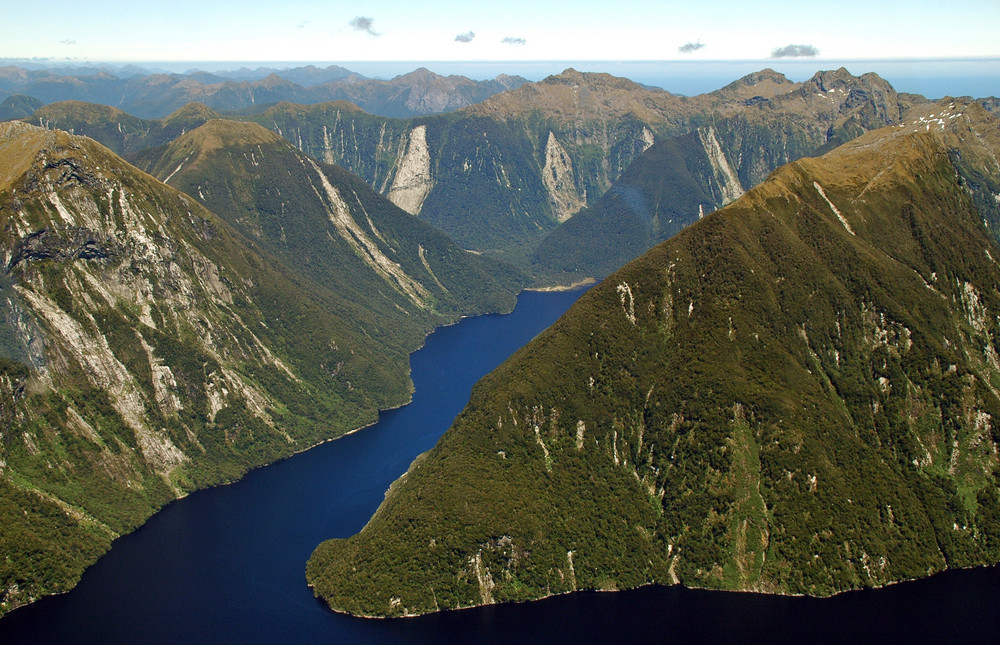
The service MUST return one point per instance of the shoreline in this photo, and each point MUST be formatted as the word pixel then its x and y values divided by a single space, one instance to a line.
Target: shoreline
pixel 586 282
pixel 377 415
pixel 378 411
pixel 648 585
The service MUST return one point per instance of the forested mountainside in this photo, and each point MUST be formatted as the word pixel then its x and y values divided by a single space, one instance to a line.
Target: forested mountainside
pixel 796 394
pixel 150 348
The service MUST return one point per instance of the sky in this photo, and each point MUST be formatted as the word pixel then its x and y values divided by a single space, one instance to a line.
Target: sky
pixel 515 30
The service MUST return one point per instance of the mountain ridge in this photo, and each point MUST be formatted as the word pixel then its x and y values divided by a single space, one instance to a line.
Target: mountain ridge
pixel 151 348
pixel 504 175
pixel 155 95
pixel 794 395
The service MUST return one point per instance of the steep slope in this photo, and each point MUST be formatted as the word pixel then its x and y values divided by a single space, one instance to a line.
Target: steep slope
pixel 477 179
pixel 498 176
pixel 752 126
pixel 124 134
pixel 18 106
pixel 148 349
pixel 796 394
pixel 674 183
pixel 331 225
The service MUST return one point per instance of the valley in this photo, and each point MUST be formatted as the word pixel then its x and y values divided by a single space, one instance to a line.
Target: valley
pixel 188 296
pixel 793 395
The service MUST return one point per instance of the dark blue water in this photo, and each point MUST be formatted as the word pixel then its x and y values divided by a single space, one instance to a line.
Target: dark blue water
pixel 226 565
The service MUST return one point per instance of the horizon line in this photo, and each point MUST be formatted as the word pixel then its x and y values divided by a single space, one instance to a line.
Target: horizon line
pixel 787 59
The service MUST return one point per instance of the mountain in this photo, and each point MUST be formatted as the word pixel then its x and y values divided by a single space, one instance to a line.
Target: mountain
pixel 305 76
pixel 124 134
pixel 508 176
pixel 155 95
pixel 419 92
pixel 18 106
pixel 796 394
pixel 149 348
pixel 331 225
pixel 750 127
pixel 498 175
pixel 504 175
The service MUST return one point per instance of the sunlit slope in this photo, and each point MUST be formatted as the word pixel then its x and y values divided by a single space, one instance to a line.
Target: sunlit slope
pixel 149 348
pixel 796 394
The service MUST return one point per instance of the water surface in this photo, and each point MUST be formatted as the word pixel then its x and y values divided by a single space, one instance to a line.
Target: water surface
pixel 226 565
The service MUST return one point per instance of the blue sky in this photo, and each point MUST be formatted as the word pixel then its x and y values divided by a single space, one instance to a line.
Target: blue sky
pixel 446 30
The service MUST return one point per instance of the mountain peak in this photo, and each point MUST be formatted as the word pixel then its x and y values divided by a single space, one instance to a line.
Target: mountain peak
pixel 592 80
pixel 764 75
pixel 217 133
pixel 195 110
pixel 80 110
pixel 421 74
pixel 841 78
pixel 766 83
pixel 576 96
pixel 20 143
pixel 272 80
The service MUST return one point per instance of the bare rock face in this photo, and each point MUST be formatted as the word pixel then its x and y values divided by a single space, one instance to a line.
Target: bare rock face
pixel 413 181
pixel 558 177
pixel 502 175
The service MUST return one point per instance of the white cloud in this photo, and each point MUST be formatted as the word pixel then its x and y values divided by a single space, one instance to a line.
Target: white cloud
pixel 687 48
pixel 794 51
pixel 365 24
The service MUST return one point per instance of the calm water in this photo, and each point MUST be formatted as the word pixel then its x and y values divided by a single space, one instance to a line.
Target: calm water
pixel 226 565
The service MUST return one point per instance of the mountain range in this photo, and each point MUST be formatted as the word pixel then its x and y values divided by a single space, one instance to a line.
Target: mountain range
pixel 155 95
pixel 190 296
pixel 537 175
pixel 796 394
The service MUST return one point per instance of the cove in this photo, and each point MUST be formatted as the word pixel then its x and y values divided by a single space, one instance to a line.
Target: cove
pixel 226 565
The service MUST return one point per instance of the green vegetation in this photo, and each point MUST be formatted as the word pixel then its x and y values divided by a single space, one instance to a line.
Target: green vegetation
pixel 487 162
pixel 169 348
pixel 122 133
pixel 18 106
pixel 153 348
pixel 273 194
pixel 794 395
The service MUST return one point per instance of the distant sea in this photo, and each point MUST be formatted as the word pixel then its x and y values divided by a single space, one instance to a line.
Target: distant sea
pixel 932 78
